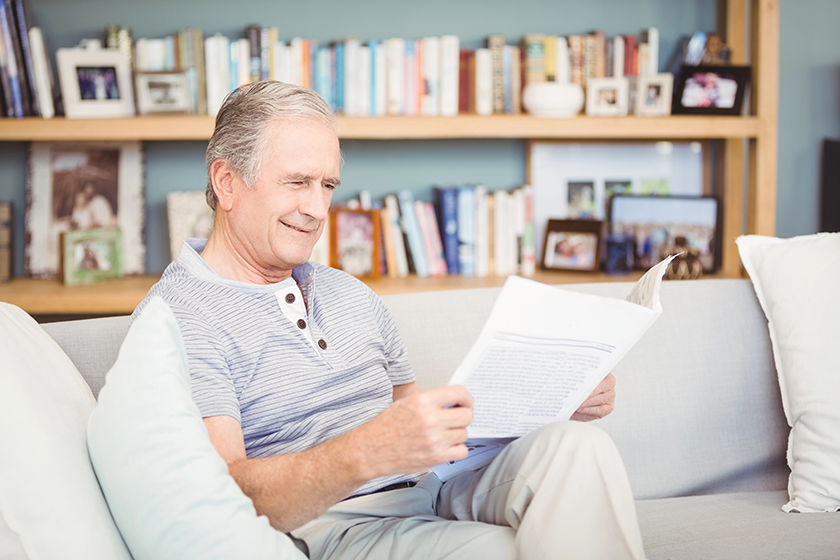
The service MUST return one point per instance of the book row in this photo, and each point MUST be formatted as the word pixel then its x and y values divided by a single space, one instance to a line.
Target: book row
pixel 467 231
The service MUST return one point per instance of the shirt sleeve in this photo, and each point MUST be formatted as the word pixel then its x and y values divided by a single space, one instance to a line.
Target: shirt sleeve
pixel 399 368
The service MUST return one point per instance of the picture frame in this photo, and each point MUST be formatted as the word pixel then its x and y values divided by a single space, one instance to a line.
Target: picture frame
pixel 91 255
pixel 95 83
pixel 85 185
pixel 572 245
pixel 355 241
pixel 162 93
pixel 189 217
pixel 656 221
pixel 654 95
pixel 607 97
pixel 710 90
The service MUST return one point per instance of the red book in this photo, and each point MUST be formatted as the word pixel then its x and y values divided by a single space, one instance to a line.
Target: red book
pixel 466 81
pixel 630 55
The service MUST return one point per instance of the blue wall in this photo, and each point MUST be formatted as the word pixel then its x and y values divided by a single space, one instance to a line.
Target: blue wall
pixel 383 167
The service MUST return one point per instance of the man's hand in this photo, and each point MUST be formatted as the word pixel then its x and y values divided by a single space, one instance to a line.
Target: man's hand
pixel 416 432
pixel 600 403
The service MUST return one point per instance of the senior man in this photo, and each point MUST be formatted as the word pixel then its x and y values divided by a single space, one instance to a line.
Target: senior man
pixel 307 393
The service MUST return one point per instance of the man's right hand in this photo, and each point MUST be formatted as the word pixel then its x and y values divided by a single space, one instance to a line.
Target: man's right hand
pixel 416 432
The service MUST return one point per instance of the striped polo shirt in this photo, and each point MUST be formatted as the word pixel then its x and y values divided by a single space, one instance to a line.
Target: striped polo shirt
pixel 251 362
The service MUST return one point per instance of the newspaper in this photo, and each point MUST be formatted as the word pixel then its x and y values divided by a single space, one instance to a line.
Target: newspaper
pixel 541 353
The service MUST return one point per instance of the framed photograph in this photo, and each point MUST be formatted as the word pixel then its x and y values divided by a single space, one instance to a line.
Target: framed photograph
pixel 78 186
pixel 653 95
pixel 95 83
pixel 655 223
pixel 710 90
pixel 189 217
pixel 572 245
pixel 355 241
pixel 162 93
pixel 90 255
pixel 607 97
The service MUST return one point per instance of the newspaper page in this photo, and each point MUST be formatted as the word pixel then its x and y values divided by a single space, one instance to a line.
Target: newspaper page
pixel 544 350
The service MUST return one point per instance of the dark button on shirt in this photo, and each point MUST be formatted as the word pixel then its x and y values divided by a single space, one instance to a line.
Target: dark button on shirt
pixel 323 344
pixel 290 298
pixel 301 324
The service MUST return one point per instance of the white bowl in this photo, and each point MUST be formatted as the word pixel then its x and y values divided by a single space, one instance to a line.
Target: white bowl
pixel 553 99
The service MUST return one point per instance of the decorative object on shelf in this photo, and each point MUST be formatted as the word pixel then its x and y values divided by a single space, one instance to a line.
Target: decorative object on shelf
pixel 653 95
pixel 95 82
pixel 619 254
pixel 555 167
pixel 355 241
pixel 607 97
pixel 90 255
pixel 83 186
pixel 572 245
pixel 553 99
pixel 686 265
pixel 655 222
pixel 162 93
pixel 189 217
pixel 5 241
pixel 711 90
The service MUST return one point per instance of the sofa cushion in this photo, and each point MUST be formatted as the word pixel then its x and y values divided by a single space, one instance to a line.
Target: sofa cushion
pixel 796 281
pixel 49 496
pixel 168 488
pixel 733 527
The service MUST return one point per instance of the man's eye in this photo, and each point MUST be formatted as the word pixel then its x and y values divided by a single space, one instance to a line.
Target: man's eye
pixel 329 186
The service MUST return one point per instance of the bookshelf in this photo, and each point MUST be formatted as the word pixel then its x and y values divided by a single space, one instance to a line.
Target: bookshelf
pixel 746 163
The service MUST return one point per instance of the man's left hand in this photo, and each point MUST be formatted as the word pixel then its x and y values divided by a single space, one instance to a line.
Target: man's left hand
pixel 600 403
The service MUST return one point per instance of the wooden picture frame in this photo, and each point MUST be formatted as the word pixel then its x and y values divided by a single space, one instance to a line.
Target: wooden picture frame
pixel 162 93
pixel 85 185
pixel 710 90
pixel 91 255
pixel 654 95
pixel 355 241
pixel 656 221
pixel 607 97
pixel 572 245
pixel 95 83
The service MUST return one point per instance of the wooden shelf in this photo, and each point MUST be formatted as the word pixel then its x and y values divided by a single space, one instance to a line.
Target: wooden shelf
pixel 190 127
pixel 120 297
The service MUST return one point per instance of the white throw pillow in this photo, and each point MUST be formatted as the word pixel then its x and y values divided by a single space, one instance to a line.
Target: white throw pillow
pixel 168 488
pixel 798 285
pixel 49 497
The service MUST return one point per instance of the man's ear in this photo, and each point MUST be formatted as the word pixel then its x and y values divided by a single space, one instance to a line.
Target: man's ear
pixel 223 177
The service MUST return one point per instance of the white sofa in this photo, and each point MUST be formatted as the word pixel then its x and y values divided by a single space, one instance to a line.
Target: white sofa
pixel 698 421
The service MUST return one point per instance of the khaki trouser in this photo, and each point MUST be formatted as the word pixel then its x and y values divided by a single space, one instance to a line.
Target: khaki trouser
pixel 559 492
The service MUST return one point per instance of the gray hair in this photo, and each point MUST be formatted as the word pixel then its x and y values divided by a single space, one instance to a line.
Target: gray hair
pixel 239 135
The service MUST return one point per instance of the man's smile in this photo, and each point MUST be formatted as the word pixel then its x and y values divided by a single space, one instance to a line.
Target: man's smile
pixel 294 228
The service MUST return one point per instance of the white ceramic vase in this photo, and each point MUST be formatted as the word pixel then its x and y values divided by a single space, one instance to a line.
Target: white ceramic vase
pixel 553 99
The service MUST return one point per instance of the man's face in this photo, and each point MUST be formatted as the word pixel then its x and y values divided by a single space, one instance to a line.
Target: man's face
pixel 279 219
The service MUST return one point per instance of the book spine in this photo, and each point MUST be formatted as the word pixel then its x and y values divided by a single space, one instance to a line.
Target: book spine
pixel 483 82
pixel 16 108
pixel 339 76
pixel 465 84
pixel 265 54
pixel 379 89
pixel 576 59
pixel 528 242
pixel 466 231
pixel 516 80
pixel 351 77
pixel 653 51
pixel 410 79
pixel 5 241
pixel 42 75
pixel 311 59
pixel 430 103
pixel 491 233
pixel 435 239
pixel 482 241
pixel 412 229
pixel 201 78
pixel 535 45
pixel 619 58
pixel 21 19
pixel 212 70
pixel 253 34
pixel 388 243
pixel 564 64
pixel 588 58
pixel 629 55
pixel 365 79
pixel 395 60
pixel 507 60
pixel 305 63
pixel 550 48
pixel 447 207
pixel 517 227
pixel 496 44
pixel 437 267
pixel 449 47
pixel 392 204
pixel 600 46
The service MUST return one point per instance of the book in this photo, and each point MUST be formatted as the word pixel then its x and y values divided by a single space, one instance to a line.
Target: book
pixel 431 238
pixel 483 82
pixel 600 46
pixel 576 59
pixel 430 102
pixel 542 352
pixel 564 70
pixel 516 80
pixel 5 241
pixel 351 77
pixel 401 258
pixel 379 79
pixel 502 231
pixel 11 80
pixel 449 48
pixel 618 56
pixel 447 208
pixel 413 233
pixel 529 247
pixel 535 58
pixel 395 91
pixel 496 44
pixel 388 243
pixel 466 231
pixel 42 71
pixel 507 65
pixel 550 48
pixel 482 242
pixel 27 65
pixel 466 81
pixel 411 103
pixel 651 37
pixel 630 53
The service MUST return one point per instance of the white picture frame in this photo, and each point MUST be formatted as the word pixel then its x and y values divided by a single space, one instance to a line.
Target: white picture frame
pixel 607 97
pixel 653 95
pixel 95 83
pixel 162 93
pixel 79 186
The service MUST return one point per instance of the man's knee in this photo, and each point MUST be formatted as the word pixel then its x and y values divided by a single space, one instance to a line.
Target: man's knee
pixel 571 433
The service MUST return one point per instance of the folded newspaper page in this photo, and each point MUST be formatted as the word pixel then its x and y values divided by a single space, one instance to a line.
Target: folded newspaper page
pixel 541 353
